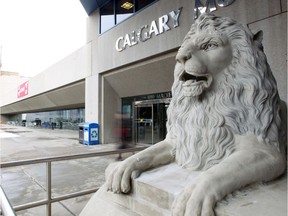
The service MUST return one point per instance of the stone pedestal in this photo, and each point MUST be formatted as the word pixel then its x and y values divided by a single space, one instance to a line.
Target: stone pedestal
pixel 154 192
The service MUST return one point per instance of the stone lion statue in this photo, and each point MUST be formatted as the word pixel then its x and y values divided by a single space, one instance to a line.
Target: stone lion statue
pixel 224 118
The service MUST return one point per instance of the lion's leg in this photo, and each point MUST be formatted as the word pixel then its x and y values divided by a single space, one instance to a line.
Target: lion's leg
pixel 252 162
pixel 119 178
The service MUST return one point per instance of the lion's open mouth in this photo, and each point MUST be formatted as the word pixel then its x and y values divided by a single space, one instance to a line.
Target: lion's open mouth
pixel 194 85
pixel 186 76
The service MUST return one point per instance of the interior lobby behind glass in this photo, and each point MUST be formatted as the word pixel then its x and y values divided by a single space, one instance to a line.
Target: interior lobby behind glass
pixel 62 119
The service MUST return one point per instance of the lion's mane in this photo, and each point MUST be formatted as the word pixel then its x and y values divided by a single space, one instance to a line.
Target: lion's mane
pixel 244 100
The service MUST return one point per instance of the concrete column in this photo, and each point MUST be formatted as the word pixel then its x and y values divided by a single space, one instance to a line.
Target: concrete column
pixel 92 99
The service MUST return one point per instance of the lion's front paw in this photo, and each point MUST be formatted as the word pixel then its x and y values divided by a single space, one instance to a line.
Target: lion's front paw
pixel 118 177
pixel 195 200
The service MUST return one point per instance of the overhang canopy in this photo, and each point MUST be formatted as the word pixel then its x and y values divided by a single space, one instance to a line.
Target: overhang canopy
pixel 67 97
pixel 92 5
pixel 154 75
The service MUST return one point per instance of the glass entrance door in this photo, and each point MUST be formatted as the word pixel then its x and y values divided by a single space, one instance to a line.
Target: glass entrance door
pixel 159 121
pixel 150 121
pixel 144 124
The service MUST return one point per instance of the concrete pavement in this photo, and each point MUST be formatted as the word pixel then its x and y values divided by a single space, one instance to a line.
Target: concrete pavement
pixel 24 184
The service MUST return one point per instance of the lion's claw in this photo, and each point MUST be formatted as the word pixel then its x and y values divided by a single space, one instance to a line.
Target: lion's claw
pixel 118 177
pixel 195 200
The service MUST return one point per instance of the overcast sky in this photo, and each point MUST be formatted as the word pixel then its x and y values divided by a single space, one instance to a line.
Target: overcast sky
pixel 35 34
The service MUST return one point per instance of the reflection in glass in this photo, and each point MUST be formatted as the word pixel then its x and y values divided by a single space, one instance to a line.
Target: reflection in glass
pixel 139 4
pixel 144 123
pixel 107 17
pixel 123 10
pixel 150 122
pixel 62 119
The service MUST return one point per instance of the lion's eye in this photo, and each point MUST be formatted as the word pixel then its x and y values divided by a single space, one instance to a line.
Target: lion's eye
pixel 209 46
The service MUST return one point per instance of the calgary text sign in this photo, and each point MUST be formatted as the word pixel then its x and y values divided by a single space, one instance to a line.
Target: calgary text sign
pixel 162 24
pixel 145 32
pixel 22 89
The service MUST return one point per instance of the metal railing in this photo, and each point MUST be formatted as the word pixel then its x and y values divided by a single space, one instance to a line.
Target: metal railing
pixel 8 210
pixel 6 207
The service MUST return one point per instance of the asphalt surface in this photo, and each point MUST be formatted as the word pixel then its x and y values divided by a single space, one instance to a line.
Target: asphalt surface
pixel 24 184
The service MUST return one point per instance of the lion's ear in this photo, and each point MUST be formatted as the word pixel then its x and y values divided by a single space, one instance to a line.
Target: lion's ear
pixel 258 36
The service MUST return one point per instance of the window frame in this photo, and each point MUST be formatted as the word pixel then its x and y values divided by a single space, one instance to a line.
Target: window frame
pixel 115 15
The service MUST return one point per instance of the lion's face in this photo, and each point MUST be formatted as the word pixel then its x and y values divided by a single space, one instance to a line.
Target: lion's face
pixel 202 56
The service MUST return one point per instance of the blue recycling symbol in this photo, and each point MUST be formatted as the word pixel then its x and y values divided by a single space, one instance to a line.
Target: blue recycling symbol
pixel 94 134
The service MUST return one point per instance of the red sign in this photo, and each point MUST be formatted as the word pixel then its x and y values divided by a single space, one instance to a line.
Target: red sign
pixel 22 90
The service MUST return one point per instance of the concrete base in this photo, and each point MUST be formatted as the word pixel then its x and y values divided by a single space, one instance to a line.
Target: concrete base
pixel 154 192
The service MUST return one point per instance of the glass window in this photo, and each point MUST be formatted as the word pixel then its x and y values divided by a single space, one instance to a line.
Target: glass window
pixel 124 9
pixel 107 17
pixel 139 4
pixel 62 119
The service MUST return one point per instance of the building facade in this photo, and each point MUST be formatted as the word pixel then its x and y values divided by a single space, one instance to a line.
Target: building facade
pixel 127 64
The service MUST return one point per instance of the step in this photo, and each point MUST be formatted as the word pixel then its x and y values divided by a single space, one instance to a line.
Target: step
pixel 154 192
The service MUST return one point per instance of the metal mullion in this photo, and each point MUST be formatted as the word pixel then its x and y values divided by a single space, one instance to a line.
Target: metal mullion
pixel 134 8
pixel 136 124
pixel 152 116
pixel 114 8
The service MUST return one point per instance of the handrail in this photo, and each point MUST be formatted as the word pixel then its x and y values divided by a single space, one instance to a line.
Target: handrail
pixel 7 207
pixel 68 157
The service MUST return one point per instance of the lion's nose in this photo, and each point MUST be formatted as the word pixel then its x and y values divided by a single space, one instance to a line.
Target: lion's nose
pixel 182 58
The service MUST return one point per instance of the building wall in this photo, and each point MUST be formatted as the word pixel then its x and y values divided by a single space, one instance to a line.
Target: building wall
pixel 8 81
pixel 60 86
pixel 107 58
pixel 275 47
pixel 148 66
pixel 111 106
pixel 97 76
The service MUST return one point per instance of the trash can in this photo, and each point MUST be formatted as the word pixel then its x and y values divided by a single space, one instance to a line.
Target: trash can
pixel 81 133
pixel 91 133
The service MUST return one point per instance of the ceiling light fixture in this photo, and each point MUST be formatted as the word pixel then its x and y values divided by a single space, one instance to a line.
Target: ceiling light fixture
pixel 127 5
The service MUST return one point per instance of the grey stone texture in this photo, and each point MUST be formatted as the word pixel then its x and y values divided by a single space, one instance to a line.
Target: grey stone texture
pixel 154 192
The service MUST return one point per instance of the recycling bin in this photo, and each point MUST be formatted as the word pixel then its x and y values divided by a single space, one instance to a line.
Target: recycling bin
pixel 91 133
pixel 81 133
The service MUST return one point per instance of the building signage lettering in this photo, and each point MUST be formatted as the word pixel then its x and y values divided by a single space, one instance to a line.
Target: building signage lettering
pixel 163 95
pixel 22 90
pixel 200 8
pixel 145 32
pixel 161 25
pixel 160 95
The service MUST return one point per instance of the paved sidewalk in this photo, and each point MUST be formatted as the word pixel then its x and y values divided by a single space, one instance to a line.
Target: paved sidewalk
pixel 28 183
